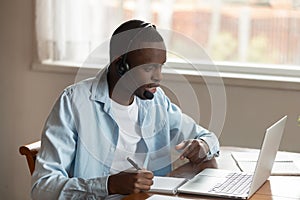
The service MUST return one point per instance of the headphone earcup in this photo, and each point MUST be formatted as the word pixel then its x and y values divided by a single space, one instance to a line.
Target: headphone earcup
pixel 123 67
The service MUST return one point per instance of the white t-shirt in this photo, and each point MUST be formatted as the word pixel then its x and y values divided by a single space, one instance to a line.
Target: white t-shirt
pixel 129 135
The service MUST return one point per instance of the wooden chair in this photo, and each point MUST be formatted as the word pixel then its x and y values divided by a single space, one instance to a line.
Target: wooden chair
pixel 30 151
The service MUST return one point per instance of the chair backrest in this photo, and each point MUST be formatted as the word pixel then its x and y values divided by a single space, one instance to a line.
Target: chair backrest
pixel 30 151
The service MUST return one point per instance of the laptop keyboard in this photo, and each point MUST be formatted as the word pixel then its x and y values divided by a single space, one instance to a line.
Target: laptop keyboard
pixel 236 183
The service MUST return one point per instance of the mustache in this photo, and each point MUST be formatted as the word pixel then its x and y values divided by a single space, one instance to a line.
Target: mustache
pixel 151 85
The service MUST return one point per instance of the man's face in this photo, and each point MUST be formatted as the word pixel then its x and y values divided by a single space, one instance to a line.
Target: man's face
pixel 145 69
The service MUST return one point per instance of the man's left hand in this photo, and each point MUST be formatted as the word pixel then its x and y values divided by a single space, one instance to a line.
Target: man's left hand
pixel 195 150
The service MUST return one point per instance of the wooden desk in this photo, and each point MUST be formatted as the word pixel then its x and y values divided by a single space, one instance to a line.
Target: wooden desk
pixel 275 188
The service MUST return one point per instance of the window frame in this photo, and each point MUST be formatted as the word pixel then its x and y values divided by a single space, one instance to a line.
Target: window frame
pixel 231 74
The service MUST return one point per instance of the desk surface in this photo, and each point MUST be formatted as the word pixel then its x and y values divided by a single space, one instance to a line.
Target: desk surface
pixel 275 188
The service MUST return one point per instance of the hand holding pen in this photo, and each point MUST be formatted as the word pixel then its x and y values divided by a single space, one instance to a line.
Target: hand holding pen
pixel 130 182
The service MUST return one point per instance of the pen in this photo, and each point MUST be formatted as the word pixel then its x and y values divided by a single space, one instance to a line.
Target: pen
pixel 133 164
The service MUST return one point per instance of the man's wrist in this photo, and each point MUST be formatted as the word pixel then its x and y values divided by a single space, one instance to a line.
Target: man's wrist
pixel 110 188
pixel 206 148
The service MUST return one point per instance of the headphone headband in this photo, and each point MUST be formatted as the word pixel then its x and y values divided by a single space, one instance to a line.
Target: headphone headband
pixel 142 27
pixel 123 66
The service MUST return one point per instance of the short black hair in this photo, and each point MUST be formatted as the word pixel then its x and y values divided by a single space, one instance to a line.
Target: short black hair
pixel 130 33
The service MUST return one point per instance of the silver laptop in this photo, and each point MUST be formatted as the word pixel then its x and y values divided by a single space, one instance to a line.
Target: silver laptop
pixel 235 184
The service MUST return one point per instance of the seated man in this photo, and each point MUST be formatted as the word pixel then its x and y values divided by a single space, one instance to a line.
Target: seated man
pixel 121 112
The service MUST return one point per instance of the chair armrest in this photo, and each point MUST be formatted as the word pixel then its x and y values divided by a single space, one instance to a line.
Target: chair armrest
pixel 30 151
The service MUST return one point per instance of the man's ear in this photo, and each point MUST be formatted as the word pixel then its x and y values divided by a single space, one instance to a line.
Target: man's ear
pixel 115 62
pixel 114 66
pixel 118 60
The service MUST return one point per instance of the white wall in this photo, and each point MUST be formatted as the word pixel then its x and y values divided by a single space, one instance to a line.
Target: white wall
pixel 27 97
pixel 252 106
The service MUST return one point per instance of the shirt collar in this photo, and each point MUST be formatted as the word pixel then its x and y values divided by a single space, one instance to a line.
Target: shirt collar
pixel 100 91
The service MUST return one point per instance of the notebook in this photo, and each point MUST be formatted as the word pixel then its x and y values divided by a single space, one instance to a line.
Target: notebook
pixel 284 164
pixel 164 197
pixel 232 184
pixel 167 185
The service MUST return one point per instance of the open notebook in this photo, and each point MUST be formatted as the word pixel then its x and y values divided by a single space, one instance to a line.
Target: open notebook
pixel 284 164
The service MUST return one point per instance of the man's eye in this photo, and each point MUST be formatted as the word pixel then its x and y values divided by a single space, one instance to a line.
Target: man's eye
pixel 148 68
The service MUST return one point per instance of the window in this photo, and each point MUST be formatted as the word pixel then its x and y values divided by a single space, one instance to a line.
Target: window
pixel 256 36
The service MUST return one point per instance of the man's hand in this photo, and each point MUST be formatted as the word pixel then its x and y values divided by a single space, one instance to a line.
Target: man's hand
pixel 130 182
pixel 195 150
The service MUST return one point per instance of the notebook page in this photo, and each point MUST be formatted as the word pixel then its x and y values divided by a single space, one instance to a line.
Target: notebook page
pixel 253 156
pixel 283 164
pixel 279 168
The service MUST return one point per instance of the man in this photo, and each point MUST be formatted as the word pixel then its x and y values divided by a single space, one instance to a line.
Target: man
pixel 99 122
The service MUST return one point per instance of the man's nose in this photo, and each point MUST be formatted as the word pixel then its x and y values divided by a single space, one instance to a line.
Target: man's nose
pixel 157 75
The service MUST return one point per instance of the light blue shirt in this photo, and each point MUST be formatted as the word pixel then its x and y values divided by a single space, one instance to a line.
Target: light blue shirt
pixel 80 137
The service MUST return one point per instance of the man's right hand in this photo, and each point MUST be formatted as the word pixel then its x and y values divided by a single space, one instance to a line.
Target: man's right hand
pixel 130 182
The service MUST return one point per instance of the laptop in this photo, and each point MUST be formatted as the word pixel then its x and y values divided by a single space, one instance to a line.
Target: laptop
pixel 236 184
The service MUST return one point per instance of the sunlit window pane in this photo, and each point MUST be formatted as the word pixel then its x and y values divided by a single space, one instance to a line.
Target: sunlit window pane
pixel 240 31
